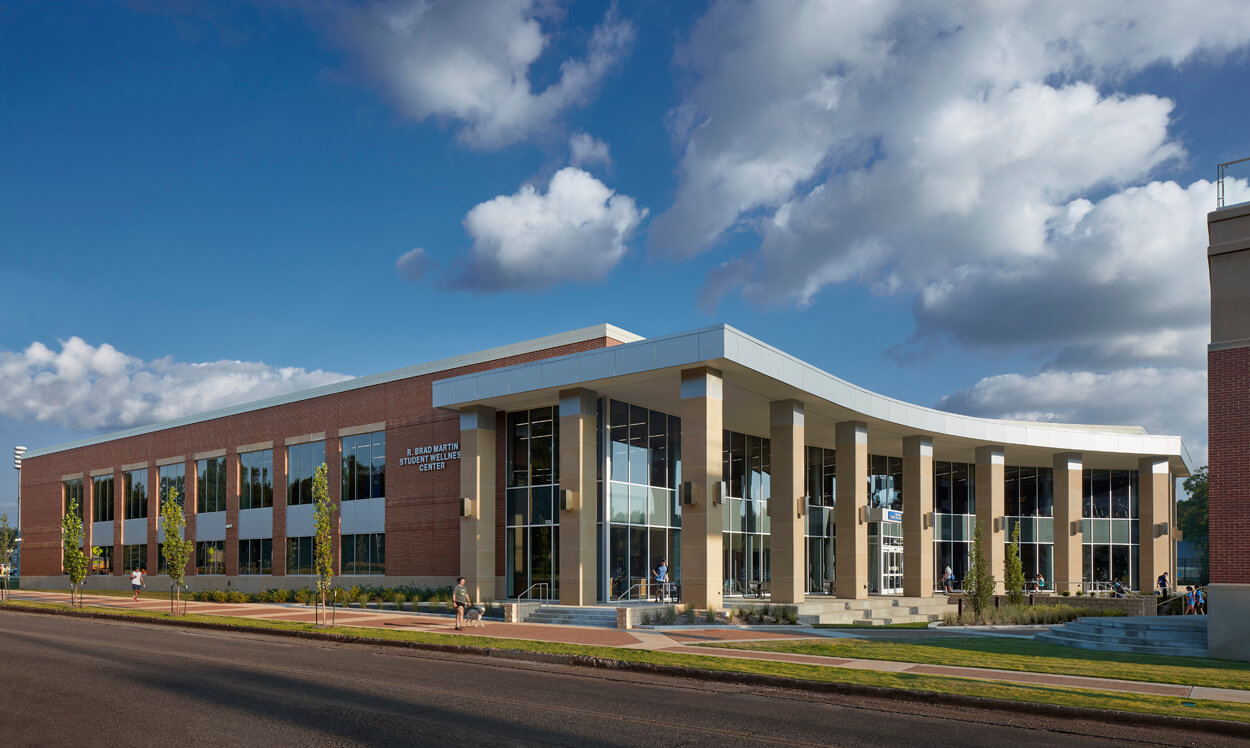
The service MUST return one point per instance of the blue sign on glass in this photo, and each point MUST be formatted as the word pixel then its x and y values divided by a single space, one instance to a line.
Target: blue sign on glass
pixel 892 515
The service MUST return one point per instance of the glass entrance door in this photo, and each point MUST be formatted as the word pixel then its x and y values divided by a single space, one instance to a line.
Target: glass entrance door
pixel 885 558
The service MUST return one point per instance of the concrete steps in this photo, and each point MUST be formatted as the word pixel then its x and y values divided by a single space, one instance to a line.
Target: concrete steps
pixel 875 611
pixel 569 615
pixel 1163 635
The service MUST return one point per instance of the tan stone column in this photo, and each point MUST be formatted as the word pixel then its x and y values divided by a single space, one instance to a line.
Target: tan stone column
pixel 989 498
pixel 917 508
pixel 702 423
pixel 477 483
pixel 850 571
pixel 1068 551
pixel 579 567
pixel 1154 483
pixel 787 507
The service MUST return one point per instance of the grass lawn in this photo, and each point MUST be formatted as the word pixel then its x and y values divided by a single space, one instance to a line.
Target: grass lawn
pixel 1013 653
pixel 924 683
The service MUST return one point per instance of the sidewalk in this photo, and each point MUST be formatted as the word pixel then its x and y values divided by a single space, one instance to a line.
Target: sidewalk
pixel 678 640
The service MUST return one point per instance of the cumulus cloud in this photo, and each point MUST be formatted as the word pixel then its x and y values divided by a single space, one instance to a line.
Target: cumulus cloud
pixel 576 231
pixel 587 150
pixel 470 62
pixel 413 265
pixel 1163 401
pixel 100 388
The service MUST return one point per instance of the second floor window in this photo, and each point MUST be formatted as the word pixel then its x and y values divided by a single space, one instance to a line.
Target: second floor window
pixel 256 479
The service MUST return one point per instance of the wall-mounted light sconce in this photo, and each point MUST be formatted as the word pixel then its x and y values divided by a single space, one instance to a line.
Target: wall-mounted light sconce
pixel 687 494
pixel 719 490
pixel 466 507
pixel 1074 528
pixel 568 500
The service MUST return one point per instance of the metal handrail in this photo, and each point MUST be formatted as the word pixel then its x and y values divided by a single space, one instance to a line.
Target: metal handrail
pixel 1220 172
pixel 544 585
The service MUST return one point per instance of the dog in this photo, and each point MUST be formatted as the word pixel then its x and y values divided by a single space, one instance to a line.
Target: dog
pixel 473 617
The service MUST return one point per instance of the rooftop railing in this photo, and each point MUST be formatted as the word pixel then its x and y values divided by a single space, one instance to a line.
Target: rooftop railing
pixel 1220 172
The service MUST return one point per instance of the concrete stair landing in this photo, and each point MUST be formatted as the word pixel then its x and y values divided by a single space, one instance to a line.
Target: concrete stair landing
pixel 875 611
pixel 570 615
pixel 1162 635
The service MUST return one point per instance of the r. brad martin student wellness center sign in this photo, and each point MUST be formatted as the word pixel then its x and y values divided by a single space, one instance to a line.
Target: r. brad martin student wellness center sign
pixel 431 456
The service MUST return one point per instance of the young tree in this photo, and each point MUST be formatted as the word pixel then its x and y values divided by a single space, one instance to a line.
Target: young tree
pixel 323 548
pixel 75 560
pixel 979 586
pixel 176 549
pixel 1013 569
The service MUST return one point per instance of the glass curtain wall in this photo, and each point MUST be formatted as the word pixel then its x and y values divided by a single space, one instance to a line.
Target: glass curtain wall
pixel 210 485
pixel 532 534
pixel 102 499
pixel 746 465
pixel 644 514
pixel 821 481
pixel 135 488
pixel 256 479
pixel 173 476
pixel 364 466
pixel 364 553
pixel 302 461
pixel 885 482
pixel 955 508
pixel 73 492
pixel 1109 526
pixel 1029 501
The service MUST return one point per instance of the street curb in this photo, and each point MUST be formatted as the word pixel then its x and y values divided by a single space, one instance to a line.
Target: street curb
pixel 1135 719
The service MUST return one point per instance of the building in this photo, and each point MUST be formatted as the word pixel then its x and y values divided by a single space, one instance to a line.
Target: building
pixel 1228 428
pixel 570 465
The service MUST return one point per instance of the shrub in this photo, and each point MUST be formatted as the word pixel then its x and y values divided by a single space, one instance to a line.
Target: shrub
pixel 1013 569
pixel 788 614
pixel 363 599
pixel 400 597
pixel 670 615
pixel 275 595
pixel 979 583
pixel 234 596
pixel 1029 615
pixel 302 596
pixel 1065 593
pixel 709 615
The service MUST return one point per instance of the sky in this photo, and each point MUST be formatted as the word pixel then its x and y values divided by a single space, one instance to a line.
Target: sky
pixel 993 208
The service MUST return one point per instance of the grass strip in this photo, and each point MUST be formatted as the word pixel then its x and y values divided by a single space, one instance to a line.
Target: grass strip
pixel 1019 654
pixel 1062 696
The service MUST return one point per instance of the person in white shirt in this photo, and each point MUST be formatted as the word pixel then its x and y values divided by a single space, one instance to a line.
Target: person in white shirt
pixel 136 581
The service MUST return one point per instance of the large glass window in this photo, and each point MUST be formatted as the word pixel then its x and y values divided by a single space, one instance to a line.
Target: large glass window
pixel 173 476
pixel 135 486
pixel 210 557
pixel 73 494
pixel 1109 527
pixel 102 560
pixel 364 553
pixel 954 504
pixel 747 464
pixel 299 555
pixel 532 524
pixel 641 506
pixel 210 485
pixel 1029 501
pixel 256 556
pixel 821 481
pixel 364 466
pixel 302 461
pixel 885 482
pixel 102 499
pixel 256 479
pixel 134 556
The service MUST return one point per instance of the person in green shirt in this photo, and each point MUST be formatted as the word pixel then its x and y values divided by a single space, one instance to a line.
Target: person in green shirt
pixel 460 598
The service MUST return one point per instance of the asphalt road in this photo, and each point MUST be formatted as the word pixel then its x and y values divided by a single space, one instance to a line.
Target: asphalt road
pixel 112 683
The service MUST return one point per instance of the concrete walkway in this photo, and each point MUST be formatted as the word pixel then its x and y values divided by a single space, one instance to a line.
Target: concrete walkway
pixel 675 639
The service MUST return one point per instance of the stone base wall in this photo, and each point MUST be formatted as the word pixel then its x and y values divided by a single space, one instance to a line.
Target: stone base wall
pixel 1133 605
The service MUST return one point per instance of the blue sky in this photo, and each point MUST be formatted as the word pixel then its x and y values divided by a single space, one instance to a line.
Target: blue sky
pixel 991 209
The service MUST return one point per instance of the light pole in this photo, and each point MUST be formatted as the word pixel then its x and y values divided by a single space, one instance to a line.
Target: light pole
pixel 18 451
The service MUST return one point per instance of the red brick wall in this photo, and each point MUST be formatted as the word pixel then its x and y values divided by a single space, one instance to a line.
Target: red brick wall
pixel 1228 429
pixel 422 512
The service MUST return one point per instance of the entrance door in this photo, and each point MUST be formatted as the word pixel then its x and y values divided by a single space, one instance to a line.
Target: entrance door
pixel 892 569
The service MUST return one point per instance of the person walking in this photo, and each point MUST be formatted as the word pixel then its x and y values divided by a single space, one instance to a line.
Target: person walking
pixel 661 580
pixel 1189 601
pixel 948 579
pixel 1163 585
pixel 137 581
pixel 1200 601
pixel 460 599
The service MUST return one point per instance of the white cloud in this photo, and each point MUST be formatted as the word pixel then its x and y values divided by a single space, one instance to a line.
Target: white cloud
pixel 576 231
pixel 100 388
pixel 413 265
pixel 470 62
pixel 1163 401
pixel 586 150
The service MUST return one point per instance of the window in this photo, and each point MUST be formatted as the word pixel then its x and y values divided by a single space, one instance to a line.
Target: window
pixel 364 466
pixel 134 556
pixel 954 503
pixel 102 559
pixel 173 476
pixel 210 557
pixel 364 554
pixel 256 479
pixel 302 461
pixel 299 555
pixel 102 499
pixel 73 495
pixel 256 556
pixel 746 464
pixel 135 490
pixel 210 485
pixel 1110 535
pixel 821 468
pixel 532 524
pixel 1030 503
